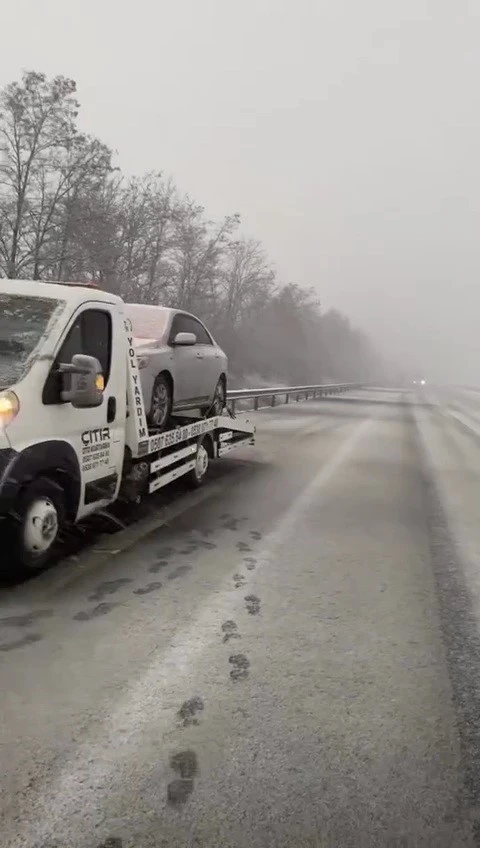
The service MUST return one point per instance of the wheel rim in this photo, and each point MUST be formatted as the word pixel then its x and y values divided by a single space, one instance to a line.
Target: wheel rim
pixel 219 398
pixel 40 526
pixel 160 403
pixel 201 462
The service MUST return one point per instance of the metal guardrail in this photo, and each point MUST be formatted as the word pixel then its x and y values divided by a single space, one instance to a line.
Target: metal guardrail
pixel 298 392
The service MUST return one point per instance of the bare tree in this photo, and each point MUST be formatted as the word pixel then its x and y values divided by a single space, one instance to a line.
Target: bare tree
pixel 66 213
pixel 199 249
pixel 247 281
pixel 44 160
pixel 150 208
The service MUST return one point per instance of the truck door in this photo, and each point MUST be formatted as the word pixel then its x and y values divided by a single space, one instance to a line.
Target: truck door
pixel 98 434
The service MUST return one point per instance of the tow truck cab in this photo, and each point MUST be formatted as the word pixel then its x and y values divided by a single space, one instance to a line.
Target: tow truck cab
pixel 42 435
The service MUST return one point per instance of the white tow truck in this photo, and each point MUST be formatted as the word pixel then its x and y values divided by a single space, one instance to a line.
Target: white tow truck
pixel 73 429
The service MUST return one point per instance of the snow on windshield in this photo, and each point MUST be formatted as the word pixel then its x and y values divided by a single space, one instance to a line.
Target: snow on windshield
pixel 24 321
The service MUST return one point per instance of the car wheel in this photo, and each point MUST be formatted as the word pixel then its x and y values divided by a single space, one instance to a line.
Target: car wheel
pixel 36 525
pixel 219 397
pixel 161 405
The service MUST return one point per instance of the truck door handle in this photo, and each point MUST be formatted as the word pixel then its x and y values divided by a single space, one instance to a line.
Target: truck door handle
pixel 111 409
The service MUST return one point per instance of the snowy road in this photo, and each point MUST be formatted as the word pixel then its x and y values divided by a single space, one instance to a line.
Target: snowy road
pixel 291 659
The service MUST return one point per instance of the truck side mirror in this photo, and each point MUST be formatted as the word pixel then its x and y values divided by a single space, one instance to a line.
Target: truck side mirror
pixel 87 384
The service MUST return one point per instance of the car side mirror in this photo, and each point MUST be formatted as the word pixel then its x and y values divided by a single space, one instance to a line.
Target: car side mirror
pixel 185 339
pixel 87 383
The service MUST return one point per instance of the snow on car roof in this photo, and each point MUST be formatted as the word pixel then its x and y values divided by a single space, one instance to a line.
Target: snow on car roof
pixel 149 307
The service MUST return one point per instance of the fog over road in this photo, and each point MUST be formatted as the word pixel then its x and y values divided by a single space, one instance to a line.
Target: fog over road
pixel 291 659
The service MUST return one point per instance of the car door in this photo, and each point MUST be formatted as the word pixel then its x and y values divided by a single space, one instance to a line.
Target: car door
pixel 97 433
pixel 187 373
pixel 209 357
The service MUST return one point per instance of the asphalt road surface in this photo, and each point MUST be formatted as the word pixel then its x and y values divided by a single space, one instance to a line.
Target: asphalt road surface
pixel 289 658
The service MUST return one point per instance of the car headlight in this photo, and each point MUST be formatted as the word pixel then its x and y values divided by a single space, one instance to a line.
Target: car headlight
pixel 9 408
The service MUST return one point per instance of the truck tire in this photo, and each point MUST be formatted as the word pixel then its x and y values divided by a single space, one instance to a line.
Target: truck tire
pixel 198 475
pixel 35 526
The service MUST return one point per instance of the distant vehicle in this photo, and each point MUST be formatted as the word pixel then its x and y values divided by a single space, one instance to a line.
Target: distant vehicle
pixel 419 382
pixel 181 366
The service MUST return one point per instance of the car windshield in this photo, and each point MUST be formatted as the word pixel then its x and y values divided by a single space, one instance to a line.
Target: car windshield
pixel 24 322
pixel 149 322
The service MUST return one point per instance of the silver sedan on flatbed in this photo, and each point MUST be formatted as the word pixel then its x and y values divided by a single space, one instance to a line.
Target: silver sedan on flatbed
pixel 181 366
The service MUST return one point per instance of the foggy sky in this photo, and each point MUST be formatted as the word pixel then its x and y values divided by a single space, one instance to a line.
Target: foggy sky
pixel 346 133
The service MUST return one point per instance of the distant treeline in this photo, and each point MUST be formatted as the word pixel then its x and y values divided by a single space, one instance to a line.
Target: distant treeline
pixel 67 213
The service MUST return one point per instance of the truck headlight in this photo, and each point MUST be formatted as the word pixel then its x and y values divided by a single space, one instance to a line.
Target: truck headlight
pixel 9 407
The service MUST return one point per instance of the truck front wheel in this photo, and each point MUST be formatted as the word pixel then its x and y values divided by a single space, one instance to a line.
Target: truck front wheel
pixel 36 524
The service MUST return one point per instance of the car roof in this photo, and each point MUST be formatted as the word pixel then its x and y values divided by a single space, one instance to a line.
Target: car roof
pixel 152 306
pixel 149 307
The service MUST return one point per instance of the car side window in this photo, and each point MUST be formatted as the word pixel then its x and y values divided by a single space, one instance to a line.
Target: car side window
pixel 187 324
pixel 179 325
pixel 90 334
pixel 200 332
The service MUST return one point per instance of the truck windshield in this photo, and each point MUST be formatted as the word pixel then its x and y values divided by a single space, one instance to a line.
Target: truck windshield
pixel 24 323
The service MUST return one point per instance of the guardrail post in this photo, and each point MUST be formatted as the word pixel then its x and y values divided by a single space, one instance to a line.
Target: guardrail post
pixel 255 403
pixel 287 397
pixel 272 403
pixel 297 397
pixel 233 407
